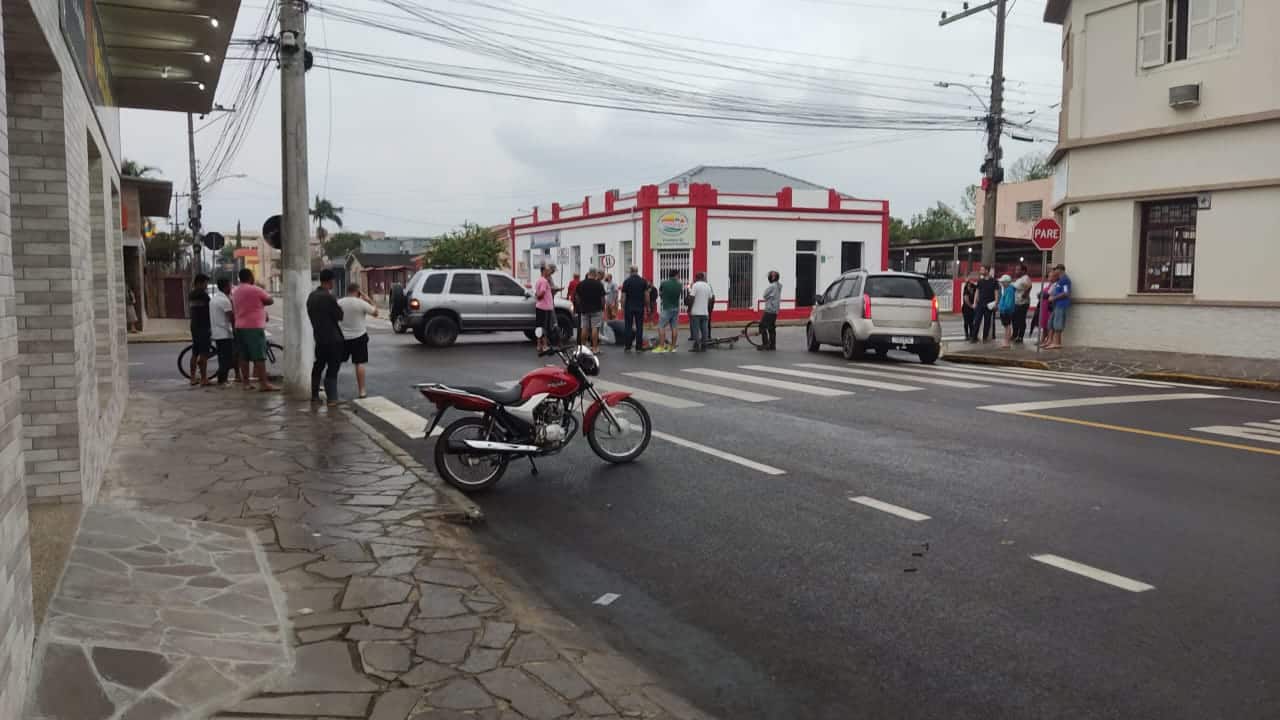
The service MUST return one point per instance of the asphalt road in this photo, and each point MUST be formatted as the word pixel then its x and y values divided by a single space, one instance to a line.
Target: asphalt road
pixel 1110 552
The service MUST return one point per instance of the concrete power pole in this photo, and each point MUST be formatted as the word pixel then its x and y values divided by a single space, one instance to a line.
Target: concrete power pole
pixel 193 210
pixel 992 171
pixel 295 255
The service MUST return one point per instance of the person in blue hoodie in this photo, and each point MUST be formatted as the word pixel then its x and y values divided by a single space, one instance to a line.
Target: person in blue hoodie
pixel 1007 306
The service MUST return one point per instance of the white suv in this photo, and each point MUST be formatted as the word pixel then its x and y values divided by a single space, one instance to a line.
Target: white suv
pixel 878 311
pixel 445 302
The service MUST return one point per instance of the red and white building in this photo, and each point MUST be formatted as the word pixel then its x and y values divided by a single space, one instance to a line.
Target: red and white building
pixel 734 224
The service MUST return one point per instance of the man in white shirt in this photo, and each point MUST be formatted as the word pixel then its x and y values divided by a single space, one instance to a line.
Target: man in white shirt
pixel 221 322
pixel 356 307
pixel 700 298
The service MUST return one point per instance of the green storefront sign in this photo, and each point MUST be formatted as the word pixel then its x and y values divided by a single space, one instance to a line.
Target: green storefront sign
pixel 672 229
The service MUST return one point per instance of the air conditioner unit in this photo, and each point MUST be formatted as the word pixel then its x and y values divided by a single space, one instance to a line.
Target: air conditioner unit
pixel 1183 96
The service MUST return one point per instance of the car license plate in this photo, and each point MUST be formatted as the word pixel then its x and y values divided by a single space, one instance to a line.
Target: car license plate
pixel 902 340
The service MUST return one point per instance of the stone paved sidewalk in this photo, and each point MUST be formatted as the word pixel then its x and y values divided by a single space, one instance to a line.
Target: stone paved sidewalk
pixel 390 618
pixel 1215 369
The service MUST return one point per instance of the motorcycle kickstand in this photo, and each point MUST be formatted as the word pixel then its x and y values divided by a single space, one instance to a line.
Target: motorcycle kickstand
pixel 533 466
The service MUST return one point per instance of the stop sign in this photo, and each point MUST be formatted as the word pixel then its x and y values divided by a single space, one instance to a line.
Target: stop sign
pixel 1046 234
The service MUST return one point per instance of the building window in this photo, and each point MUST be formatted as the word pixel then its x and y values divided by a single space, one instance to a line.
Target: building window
pixel 1173 30
pixel 1167 247
pixel 1030 210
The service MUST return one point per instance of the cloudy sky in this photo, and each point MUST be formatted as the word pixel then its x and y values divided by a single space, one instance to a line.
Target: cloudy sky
pixel 410 158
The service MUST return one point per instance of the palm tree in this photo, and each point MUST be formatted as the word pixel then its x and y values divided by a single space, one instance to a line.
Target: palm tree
pixel 325 210
pixel 131 168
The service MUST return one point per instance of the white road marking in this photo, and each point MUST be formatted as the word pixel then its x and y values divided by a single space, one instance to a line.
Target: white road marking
pixel 135 364
pixel 761 467
pixel 1091 402
pixel 1139 382
pixel 649 396
pixel 406 421
pixel 882 506
pixel 1039 376
pixel 1094 573
pixel 771 382
pixel 881 373
pixel 876 384
pixel 679 382
pixel 606 599
pixel 918 370
pixel 1261 432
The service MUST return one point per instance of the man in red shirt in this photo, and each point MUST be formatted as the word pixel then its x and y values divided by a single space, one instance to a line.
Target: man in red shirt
pixel 248 304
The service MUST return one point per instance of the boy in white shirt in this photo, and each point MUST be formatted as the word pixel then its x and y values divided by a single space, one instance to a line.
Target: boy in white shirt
pixel 356 307
pixel 220 321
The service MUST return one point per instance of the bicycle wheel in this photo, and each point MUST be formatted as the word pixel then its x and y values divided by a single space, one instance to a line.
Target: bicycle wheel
pixel 184 362
pixel 752 333
pixel 275 360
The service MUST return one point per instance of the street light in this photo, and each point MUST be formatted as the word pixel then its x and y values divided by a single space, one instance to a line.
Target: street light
pixel 970 88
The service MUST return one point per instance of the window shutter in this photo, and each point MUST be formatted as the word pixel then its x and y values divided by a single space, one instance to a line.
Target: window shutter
pixel 1226 24
pixel 1151 33
pixel 1201 19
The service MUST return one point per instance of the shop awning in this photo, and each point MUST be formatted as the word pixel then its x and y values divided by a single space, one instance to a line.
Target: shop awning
pixel 154 196
pixel 160 54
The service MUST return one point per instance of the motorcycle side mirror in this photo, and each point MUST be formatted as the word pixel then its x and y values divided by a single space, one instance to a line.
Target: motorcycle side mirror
pixel 538 333
pixel 818 299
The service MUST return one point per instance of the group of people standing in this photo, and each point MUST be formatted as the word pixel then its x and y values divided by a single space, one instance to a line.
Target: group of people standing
pixel 985 297
pixel 233 324
pixel 340 329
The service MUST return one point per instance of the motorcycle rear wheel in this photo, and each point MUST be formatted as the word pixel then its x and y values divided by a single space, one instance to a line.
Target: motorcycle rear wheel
pixel 470 473
pixel 624 446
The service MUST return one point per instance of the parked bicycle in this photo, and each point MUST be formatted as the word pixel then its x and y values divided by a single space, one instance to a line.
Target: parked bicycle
pixel 274 354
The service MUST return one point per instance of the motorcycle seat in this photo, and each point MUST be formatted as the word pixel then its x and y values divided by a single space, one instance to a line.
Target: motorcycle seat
pixel 502 396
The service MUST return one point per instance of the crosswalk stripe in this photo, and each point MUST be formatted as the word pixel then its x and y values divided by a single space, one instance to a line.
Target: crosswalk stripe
pixel 1048 377
pixel 1136 382
pixel 880 373
pixel 734 393
pixel 649 396
pixel 916 370
pixel 406 421
pixel 876 384
pixel 771 382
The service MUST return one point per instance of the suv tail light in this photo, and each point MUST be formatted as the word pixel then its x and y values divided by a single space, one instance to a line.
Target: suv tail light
pixel 414 304
pixel 934 316
pixel 866 306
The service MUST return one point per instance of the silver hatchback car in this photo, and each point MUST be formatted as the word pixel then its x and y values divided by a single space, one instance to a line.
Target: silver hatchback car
pixel 878 311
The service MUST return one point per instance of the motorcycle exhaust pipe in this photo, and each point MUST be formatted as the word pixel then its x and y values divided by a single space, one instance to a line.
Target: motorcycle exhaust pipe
pixel 500 447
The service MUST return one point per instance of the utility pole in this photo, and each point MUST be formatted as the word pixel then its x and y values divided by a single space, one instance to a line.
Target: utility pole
pixel 993 173
pixel 295 250
pixel 193 209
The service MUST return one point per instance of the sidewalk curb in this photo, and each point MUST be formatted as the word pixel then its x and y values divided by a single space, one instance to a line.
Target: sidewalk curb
pixel 158 339
pixel 1002 362
pixel 468 512
pixel 1269 385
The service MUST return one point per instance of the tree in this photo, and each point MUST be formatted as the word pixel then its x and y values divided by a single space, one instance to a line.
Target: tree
pixel 167 247
pixel 131 168
pixel 1032 166
pixel 325 210
pixel 228 253
pixel 969 205
pixel 471 246
pixel 940 222
pixel 339 244
pixel 899 233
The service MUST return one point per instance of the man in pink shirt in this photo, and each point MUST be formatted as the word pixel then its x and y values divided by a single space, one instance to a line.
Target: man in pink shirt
pixel 248 303
pixel 544 294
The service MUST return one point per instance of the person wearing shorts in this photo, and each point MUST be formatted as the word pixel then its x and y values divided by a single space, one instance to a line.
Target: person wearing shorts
pixel 669 293
pixel 201 329
pixel 544 308
pixel 589 300
pixel 249 305
pixel 356 308
pixel 1060 296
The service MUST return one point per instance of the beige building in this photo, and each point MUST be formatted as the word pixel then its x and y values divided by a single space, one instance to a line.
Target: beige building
pixel 1019 206
pixel 1168 173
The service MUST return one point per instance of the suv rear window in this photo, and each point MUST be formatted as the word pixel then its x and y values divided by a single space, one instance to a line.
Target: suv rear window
pixel 434 284
pixel 896 286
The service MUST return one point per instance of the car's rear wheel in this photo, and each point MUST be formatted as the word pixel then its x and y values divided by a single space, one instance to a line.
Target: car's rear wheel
pixel 441 331
pixel 849 345
pixel 929 356
pixel 531 334
pixel 398 325
pixel 564 326
pixel 811 340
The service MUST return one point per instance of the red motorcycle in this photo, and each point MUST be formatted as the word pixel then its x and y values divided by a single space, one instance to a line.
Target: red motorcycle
pixel 533 418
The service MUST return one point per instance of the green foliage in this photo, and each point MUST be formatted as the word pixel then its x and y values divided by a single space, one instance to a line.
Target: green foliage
pixel 1032 166
pixel 940 222
pixel 131 168
pixel 228 252
pixel 325 211
pixel 339 244
pixel 471 246
pixel 969 205
pixel 167 247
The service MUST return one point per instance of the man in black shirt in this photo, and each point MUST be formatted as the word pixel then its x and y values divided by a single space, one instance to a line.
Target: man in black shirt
pixel 985 314
pixel 589 301
pixel 635 291
pixel 201 329
pixel 325 314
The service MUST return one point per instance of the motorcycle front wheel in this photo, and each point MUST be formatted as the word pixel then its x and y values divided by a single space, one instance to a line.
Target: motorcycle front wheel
pixel 469 472
pixel 625 441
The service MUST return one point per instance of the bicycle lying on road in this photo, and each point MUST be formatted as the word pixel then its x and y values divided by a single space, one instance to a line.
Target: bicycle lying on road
pixel 750 333
pixel 274 353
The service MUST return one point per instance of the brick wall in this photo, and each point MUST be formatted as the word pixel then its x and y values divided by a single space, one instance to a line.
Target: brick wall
pixel 16 627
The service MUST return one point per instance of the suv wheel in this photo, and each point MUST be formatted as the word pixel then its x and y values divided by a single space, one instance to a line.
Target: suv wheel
pixel 810 339
pixel 441 331
pixel 398 326
pixel 564 324
pixel 849 345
